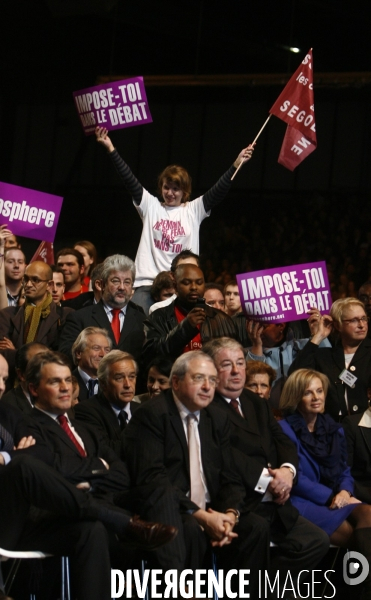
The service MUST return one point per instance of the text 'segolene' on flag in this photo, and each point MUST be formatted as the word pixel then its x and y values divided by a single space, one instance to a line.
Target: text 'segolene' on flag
pixel 295 106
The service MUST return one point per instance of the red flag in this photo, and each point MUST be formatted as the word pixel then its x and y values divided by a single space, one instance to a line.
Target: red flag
pixel 295 106
pixel 45 252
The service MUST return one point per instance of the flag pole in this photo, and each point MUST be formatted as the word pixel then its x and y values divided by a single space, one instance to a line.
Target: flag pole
pixel 254 142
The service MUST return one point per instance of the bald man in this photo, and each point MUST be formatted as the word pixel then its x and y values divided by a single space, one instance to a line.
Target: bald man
pixel 38 320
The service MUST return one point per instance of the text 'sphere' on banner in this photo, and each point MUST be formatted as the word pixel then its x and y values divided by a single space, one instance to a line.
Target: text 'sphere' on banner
pixel 29 213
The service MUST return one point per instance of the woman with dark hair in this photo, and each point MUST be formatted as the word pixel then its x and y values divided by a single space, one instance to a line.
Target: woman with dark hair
pixel 171 224
pixel 157 379
pixel 324 489
pixel 89 253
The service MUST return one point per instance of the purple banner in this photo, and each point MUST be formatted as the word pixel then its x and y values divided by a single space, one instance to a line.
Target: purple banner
pixel 285 293
pixel 29 213
pixel 113 105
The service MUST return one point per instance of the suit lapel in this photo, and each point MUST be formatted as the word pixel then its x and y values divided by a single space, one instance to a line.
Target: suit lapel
pixel 177 425
pixel 338 357
pixel 129 323
pixel 46 324
pixel 100 316
pixel 56 429
pixel 205 432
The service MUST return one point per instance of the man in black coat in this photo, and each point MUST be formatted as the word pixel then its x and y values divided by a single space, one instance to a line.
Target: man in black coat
pixel 19 397
pixel 266 460
pixel 111 409
pixel 159 451
pixel 115 312
pixel 185 324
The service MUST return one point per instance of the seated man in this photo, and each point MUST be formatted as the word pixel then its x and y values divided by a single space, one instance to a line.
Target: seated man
pixel 110 410
pixel 185 325
pixel 91 345
pixel 164 442
pixel 38 320
pixel 266 461
pixel 115 312
pixel 20 397
pixel 71 527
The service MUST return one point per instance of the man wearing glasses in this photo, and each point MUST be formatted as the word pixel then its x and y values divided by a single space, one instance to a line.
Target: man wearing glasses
pixel 181 443
pixel 38 320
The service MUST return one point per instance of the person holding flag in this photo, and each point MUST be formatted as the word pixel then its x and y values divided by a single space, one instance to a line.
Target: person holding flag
pixel 171 225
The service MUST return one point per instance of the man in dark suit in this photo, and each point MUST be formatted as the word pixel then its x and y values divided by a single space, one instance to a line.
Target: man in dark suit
pixel 75 452
pixel 38 320
pixel 91 345
pixel 115 312
pixel 88 298
pixel 73 523
pixel 266 460
pixel 180 442
pixel 110 410
pixel 20 397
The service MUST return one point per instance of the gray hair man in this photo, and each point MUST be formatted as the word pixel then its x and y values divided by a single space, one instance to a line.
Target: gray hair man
pixel 111 409
pixel 91 345
pixel 114 312
pixel 266 460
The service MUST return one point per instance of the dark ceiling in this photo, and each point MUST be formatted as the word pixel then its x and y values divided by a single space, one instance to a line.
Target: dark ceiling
pixel 51 47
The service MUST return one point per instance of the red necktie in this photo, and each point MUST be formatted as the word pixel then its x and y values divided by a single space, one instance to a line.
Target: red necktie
pixel 115 324
pixel 65 426
pixel 236 407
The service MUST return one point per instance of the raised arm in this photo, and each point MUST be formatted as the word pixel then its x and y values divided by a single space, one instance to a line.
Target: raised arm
pixel 219 191
pixel 131 183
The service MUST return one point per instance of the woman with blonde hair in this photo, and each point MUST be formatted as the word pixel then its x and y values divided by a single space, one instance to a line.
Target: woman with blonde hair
pixel 347 363
pixel 323 493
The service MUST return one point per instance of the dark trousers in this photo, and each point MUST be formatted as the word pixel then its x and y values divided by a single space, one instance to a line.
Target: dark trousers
pixel 27 482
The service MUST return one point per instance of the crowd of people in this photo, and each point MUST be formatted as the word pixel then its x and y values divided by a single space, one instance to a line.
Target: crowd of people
pixel 148 417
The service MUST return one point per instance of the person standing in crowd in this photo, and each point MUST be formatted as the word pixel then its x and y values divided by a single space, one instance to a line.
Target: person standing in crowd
pixel 15 266
pixel 347 364
pixel 214 296
pixel 185 324
pixel 169 225
pixel 89 253
pixel 185 256
pixel 58 286
pixel 88 298
pixel 71 262
pixel 276 345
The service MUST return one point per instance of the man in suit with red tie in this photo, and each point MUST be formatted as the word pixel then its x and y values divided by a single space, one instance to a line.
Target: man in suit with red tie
pixel 115 312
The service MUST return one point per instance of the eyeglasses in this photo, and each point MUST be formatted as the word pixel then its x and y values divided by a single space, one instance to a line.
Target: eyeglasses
pixel 356 321
pixel 33 279
pixel 213 381
pixel 365 298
